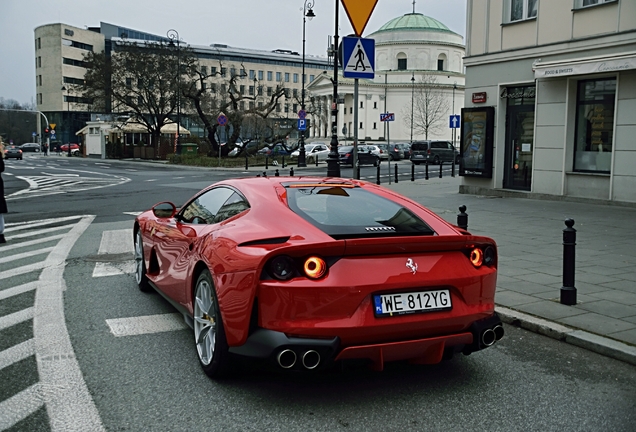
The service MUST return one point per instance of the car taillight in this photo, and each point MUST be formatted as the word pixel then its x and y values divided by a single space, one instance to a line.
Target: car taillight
pixel 282 267
pixel 482 255
pixel 315 267
pixel 428 151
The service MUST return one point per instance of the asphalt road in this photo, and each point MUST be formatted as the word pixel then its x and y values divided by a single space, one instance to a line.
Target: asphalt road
pixel 152 381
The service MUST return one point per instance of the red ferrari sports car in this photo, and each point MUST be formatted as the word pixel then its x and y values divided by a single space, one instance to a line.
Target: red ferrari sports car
pixel 303 272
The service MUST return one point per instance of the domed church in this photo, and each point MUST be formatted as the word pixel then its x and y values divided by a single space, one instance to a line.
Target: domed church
pixel 418 77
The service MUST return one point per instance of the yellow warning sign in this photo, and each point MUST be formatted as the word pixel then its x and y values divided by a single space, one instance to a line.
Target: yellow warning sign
pixel 53 125
pixel 359 12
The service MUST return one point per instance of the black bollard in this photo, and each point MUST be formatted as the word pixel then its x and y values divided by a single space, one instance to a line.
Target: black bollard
pixel 264 173
pixel 412 172
pixel 357 172
pixel 441 163
pixel 426 174
pixel 291 171
pixel 276 174
pixel 568 291
pixel 283 161
pixel 453 169
pixel 377 181
pixel 396 173
pixel 316 160
pixel 246 168
pixel 266 162
pixel 462 218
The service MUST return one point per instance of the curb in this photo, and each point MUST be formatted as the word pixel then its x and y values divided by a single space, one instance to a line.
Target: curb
pixel 586 340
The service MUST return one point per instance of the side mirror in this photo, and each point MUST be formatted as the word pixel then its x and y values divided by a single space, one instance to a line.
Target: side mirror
pixel 164 210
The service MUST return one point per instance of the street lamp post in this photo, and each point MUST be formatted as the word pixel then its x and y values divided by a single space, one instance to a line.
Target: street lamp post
pixel 308 13
pixel 454 129
pixel 174 35
pixel 68 117
pixel 333 162
pixel 412 105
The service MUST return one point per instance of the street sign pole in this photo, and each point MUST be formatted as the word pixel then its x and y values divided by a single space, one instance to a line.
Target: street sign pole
pixel 356 172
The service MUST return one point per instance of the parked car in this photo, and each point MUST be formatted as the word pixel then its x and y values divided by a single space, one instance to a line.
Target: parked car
pixel 12 152
pixel 383 155
pixel 276 150
pixel 75 149
pixel 406 150
pixel 365 156
pixel 302 273
pixel 252 146
pixel 313 151
pixel 31 147
pixel 434 152
pixel 394 151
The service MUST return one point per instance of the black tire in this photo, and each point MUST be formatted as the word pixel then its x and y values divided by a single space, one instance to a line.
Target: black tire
pixel 457 158
pixel 140 265
pixel 209 334
pixel 436 160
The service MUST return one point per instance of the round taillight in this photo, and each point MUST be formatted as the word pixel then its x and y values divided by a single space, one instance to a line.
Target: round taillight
pixel 282 268
pixel 477 257
pixel 489 256
pixel 315 267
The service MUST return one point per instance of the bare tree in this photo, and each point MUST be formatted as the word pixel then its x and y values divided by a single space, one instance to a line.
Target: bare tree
pixel 430 107
pixel 212 94
pixel 142 79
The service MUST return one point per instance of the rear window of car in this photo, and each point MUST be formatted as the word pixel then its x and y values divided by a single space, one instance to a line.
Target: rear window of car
pixel 419 146
pixel 347 211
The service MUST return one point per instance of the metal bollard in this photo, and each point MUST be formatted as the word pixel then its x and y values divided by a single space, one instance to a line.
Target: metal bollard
pixel 396 173
pixel 266 162
pixel 568 291
pixel 357 176
pixel 246 167
pixel 412 172
pixel 316 160
pixel 264 173
pixel 453 169
pixel 291 171
pixel 276 174
pixel 378 175
pixel 441 164
pixel 283 161
pixel 426 174
pixel 462 218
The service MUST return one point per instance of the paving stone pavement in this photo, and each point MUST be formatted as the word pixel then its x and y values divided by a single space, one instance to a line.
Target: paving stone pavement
pixel 529 235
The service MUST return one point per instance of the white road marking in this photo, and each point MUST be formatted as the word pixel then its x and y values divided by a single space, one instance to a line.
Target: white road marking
pixel 137 213
pixel 17 353
pixel 148 324
pixel 17 290
pixel 20 406
pixel 25 255
pixel 68 402
pixel 16 318
pixel 115 242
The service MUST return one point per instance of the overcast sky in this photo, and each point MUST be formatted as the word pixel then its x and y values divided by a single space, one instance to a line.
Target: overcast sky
pixel 258 24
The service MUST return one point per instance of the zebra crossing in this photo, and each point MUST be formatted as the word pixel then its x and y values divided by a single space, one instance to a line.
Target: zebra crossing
pixel 31 292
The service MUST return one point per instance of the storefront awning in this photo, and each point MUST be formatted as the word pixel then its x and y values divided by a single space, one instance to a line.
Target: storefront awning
pixel 581 66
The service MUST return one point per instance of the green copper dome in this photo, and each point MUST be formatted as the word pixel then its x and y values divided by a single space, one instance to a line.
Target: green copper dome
pixel 414 21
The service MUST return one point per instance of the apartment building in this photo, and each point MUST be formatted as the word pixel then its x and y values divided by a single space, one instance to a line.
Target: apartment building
pixel 60 49
pixel 550 98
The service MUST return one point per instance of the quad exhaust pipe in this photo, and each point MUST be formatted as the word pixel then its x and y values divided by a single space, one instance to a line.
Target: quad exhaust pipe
pixel 287 359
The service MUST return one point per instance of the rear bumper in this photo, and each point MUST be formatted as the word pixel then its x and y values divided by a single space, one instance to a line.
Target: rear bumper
pixel 280 349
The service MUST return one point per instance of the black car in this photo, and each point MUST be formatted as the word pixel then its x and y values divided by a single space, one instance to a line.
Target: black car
pixel 365 157
pixel 12 151
pixel 30 147
pixel 394 151
pixel 433 151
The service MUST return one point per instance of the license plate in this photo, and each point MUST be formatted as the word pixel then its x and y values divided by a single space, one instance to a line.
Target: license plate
pixel 411 302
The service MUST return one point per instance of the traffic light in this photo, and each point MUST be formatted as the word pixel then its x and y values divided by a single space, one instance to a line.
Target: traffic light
pixel 46 130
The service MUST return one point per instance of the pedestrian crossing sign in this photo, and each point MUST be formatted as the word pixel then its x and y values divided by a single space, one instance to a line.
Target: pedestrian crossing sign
pixel 358 57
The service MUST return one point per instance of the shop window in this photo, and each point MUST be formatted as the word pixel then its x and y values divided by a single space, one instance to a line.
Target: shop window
pixel 518 10
pixel 594 135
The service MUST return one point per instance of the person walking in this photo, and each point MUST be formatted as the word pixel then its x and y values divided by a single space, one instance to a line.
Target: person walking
pixel 3 202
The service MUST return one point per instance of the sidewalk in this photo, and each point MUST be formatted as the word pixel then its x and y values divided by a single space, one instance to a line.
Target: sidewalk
pixel 529 235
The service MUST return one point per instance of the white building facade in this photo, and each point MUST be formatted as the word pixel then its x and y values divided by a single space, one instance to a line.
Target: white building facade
pixel 559 78
pixel 410 51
